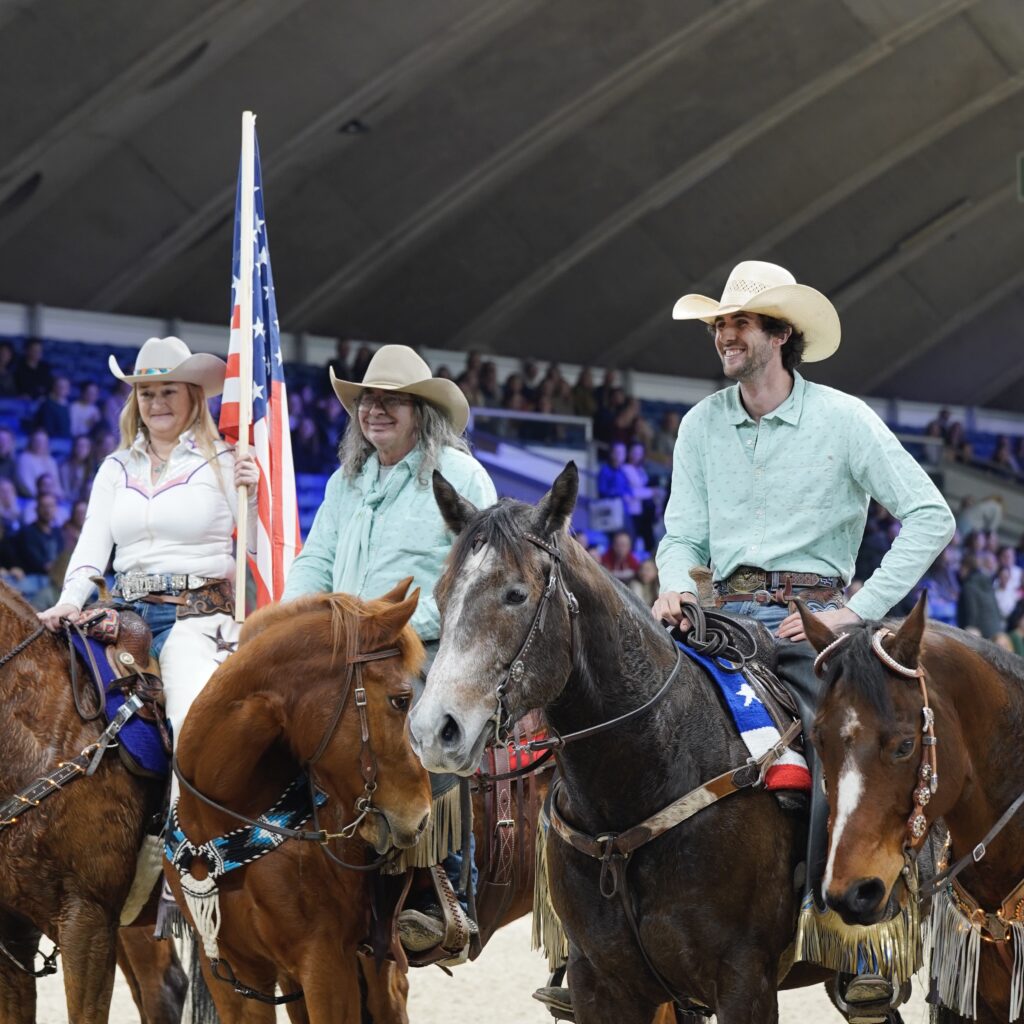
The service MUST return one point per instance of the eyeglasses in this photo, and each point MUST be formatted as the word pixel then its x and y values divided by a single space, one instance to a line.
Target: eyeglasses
pixel 389 403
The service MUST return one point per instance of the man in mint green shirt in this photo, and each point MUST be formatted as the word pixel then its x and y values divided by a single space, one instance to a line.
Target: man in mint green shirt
pixel 771 481
pixel 379 523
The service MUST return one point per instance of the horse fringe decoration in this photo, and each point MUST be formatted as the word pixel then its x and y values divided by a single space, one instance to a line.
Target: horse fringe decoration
pixel 895 948
pixel 954 946
pixel 202 897
pixel 548 934
pixel 443 835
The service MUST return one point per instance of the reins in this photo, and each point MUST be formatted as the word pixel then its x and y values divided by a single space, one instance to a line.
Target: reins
pixel 368 768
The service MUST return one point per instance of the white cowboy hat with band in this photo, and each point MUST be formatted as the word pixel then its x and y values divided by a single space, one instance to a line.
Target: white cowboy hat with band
pixel 758 287
pixel 171 360
pixel 398 368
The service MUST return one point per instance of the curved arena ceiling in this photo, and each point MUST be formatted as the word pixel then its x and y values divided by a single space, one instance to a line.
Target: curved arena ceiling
pixel 536 177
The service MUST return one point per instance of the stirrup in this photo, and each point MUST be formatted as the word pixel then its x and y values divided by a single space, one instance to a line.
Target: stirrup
pixel 867 999
pixel 558 1001
pixel 448 936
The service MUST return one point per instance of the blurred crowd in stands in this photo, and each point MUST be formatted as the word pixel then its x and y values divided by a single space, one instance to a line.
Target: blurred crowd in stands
pixel 57 424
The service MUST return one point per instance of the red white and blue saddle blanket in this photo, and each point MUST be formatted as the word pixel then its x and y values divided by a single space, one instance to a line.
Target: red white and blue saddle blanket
pixel 753 722
pixel 139 739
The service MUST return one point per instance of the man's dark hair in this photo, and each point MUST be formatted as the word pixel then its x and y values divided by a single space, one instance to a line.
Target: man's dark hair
pixel 793 350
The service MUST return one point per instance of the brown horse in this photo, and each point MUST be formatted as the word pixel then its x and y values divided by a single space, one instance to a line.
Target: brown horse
pixel 875 744
pixel 67 865
pixel 304 692
pixel 530 621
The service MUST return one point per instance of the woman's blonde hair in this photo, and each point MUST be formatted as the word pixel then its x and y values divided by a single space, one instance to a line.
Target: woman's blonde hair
pixel 204 430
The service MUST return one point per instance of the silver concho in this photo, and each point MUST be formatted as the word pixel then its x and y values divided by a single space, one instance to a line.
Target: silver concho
pixel 922 795
pixel 918 825
pixel 518 671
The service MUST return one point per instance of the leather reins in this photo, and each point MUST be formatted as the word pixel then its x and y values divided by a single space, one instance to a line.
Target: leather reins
pixel 368 770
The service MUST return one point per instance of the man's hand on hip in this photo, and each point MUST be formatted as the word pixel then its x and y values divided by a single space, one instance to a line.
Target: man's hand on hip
pixel 792 627
pixel 669 608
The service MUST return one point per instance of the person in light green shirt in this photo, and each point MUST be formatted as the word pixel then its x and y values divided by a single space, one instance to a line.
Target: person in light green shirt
pixel 771 481
pixel 379 523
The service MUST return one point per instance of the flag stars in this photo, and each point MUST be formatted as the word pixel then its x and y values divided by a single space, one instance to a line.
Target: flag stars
pixel 257 328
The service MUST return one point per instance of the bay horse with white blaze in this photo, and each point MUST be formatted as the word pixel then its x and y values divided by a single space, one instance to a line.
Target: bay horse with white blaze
pixel 706 911
pixel 67 865
pixel 318 689
pixel 917 722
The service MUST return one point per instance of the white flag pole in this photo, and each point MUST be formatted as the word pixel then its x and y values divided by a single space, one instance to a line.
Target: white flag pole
pixel 246 220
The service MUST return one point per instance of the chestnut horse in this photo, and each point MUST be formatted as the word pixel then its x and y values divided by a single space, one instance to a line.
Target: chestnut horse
pixel 321 685
pixel 870 731
pixel 529 620
pixel 67 865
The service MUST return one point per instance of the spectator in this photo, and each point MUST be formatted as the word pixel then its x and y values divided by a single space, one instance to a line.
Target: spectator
pixel 977 609
pixel 72 529
pixel 78 469
pixel 979 515
pixel 490 389
pixel 663 443
pixel 612 482
pixel 514 389
pixel 619 559
pixel 340 362
pixel 531 379
pixel 85 409
pixel 1007 593
pixel 943 587
pixel 584 401
pixel 955 436
pixel 46 486
pixel 940 426
pixel 443 373
pixel 607 412
pixel 640 501
pixel 33 462
pixel 932 454
pixel 469 384
pixel 333 420
pixel 595 552
pixel 104 442
pixel 1008 558
pixel 10 507
pixel 10 570
pixel 40 542
pixel 8 386
pixel 308 453
pixel 32 374
pixel 605 394
pixel 8 460
pixel 54 414
pixel 645 585
pixel 360 363
pixel 562 400
pixel 113 405
pixel 1003 459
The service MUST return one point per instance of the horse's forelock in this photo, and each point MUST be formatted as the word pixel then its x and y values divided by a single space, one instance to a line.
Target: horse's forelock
pixel 861 672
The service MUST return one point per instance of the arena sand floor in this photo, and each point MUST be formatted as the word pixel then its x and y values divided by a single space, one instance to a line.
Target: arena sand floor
pixel 495 989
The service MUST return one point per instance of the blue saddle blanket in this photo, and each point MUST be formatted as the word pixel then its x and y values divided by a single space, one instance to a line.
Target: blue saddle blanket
pixel 753 722
pixel 139 739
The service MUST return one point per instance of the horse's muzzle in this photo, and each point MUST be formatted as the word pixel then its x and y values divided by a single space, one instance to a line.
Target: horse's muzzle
pixel 382 832
pixel 863 902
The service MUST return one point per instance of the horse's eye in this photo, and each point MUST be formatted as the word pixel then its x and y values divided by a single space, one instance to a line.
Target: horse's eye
pixel 401 702
pixel 905 749
pixel 515 595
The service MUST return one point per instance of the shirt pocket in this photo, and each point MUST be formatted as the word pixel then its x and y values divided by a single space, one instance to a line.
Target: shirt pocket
pixel 806 485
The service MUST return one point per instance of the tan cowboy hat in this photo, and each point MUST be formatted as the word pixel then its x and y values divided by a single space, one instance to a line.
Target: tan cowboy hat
pixel 398 368
pixel 759 287
pixel 171 360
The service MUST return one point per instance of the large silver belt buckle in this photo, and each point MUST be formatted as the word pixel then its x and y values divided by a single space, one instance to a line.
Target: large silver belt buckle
pixel 134 586
pixel 194 582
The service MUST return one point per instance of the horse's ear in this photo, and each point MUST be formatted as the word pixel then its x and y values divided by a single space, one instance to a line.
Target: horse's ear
pixel 398 591
pixel 455 510
pixel 905 646
pixel 554 511
pixel 818 634
pixel 392 619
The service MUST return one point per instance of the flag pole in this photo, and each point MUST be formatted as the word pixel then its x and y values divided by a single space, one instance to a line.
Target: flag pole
pixel 246 220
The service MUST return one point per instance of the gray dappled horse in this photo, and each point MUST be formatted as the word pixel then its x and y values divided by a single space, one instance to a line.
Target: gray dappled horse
pixel 715 899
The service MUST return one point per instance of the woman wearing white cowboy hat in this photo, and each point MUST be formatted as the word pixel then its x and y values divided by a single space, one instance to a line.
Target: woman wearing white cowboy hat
pixel 379 522
pixel 164 504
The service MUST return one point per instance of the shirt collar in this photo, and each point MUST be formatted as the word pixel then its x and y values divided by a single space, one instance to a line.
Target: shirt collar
pixel 788 411
pixel 187 439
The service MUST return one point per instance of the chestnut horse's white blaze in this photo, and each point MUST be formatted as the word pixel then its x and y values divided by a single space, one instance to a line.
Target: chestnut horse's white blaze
pixel 461 683
pixel 848 796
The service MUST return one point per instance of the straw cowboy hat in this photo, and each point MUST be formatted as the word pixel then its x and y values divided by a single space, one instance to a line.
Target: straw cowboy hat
pixel 170 359
pixel 758 287
pixel 398 368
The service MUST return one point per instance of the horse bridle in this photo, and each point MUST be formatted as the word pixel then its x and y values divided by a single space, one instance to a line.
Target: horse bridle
pixel 367 762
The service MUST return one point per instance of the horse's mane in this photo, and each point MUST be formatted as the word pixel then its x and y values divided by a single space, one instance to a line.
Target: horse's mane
pixel 349 618
pixel 863 672
pixel 500 526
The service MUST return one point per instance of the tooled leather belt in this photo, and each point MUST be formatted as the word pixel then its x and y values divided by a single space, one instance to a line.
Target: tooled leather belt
pixel 777 586
pixel 215 596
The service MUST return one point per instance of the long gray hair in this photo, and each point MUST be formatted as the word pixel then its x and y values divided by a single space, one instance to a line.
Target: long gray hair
pixel 434 433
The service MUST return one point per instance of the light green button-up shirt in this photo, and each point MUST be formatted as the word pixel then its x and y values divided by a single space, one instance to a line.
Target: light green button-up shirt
pixel 371 532
pixel 792 493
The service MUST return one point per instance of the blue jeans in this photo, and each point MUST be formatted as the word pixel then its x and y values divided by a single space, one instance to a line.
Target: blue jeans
pixel 771 615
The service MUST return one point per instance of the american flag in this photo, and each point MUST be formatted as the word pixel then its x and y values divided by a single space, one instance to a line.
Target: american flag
pixel 277 532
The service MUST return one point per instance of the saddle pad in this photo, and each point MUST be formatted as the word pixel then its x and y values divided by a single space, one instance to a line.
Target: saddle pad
pixel 139 738
pixel 754 724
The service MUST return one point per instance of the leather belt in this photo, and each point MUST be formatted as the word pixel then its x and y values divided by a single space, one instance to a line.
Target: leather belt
pixel 750 579
pixel 131 586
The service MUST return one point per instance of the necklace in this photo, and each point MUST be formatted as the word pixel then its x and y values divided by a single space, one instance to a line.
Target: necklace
pixel 159 464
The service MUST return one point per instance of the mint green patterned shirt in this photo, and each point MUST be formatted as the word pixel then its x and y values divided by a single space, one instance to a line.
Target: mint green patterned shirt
pixel 792 492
